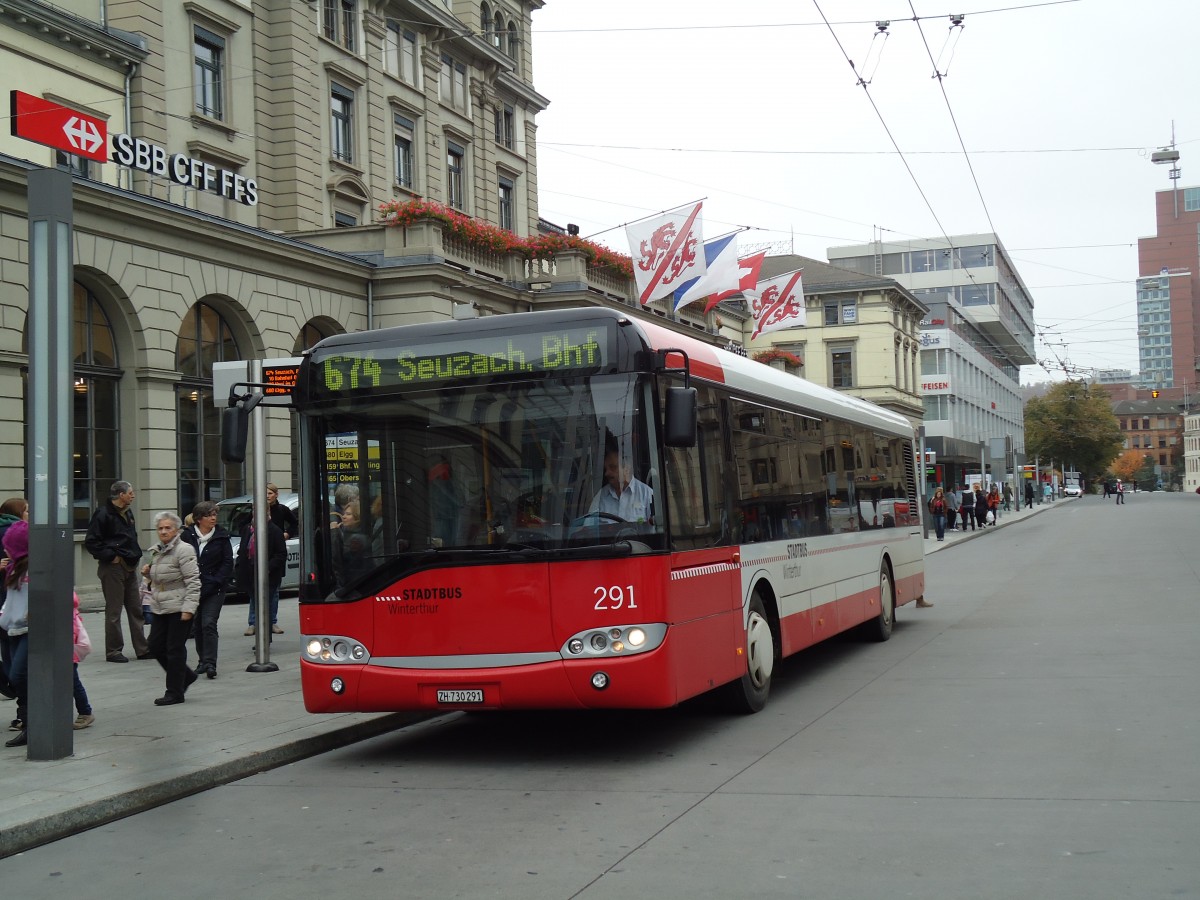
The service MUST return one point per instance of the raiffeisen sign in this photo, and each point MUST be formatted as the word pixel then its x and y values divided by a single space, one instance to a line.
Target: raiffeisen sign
pixel 136 153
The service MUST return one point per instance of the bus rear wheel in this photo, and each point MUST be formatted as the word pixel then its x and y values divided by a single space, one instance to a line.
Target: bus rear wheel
pixel 749 693
pixel 880 628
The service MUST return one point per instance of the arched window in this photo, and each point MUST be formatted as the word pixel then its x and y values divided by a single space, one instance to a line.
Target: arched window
pixel 498 31
pixel 204 338
pixel 485 17
pixel 510 39
pixel 95 456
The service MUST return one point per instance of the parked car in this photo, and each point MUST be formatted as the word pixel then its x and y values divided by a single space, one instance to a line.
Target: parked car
pixel 235 513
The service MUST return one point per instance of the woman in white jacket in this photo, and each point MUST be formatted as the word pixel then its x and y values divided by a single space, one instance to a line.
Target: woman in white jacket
pixel 174 577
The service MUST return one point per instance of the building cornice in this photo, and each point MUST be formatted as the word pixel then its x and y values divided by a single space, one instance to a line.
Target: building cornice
pixel 111 47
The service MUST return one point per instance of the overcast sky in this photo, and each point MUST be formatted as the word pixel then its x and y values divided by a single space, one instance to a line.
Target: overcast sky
pixel 753 105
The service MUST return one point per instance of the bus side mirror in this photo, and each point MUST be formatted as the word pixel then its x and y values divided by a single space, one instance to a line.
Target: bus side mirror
pixel 680 426
pixel 235 428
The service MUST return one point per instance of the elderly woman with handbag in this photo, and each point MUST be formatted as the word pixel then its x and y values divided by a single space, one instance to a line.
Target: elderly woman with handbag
pixel 174 576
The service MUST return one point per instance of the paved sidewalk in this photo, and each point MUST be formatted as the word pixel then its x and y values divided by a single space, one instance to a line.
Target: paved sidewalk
pixel 138 755
pixel 1006 518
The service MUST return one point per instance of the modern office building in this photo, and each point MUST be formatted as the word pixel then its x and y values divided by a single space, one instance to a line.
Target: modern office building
pixel 1111 376
pixel 1168 295
pixel 977 335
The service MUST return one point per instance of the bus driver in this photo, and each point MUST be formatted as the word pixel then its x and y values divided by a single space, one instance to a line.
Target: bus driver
pixel 622 495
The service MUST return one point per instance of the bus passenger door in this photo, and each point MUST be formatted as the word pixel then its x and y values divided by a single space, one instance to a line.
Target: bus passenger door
pixel 704 595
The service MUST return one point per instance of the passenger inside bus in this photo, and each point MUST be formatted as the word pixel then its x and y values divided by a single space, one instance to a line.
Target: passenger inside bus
pixel 351 546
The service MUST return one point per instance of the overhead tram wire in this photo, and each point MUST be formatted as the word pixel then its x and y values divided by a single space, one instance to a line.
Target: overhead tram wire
pixel 861 83
pixel 879 115
pixel 767 151
pixel 957 23
pixel 730 25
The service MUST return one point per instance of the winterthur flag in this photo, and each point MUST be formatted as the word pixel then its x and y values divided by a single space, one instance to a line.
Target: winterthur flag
pixel 720 259
pixel 664 251
pixel 748 272
pixel 778 303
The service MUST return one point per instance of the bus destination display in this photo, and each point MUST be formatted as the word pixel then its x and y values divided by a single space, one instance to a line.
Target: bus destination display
pixel 563 351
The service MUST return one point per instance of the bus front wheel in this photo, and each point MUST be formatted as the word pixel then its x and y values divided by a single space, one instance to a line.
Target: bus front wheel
pixel 880 628
pixel 749 693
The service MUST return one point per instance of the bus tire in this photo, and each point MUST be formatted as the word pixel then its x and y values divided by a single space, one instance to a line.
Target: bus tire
pixel 749 693
pixel 880 628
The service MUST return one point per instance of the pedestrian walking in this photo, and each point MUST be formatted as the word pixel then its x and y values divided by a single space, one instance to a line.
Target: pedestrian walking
pixel 13 510
pixel 967 507
pixel 1029 495
pixel 1120 493
pixel 112 539
pixel 1008 497
pixel 981 506
pixel 938 507
pixel 174 577
pixel 993 504
pixel 14 619
pixel 214 553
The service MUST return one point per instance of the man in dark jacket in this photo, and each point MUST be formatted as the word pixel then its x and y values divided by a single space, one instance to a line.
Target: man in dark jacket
pixel 967 507
pixel 214 554
pixel 112 539
pixel 280 514
pixel 276 566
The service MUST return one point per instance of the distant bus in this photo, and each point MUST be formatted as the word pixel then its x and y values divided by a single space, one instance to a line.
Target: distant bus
pixel 485 567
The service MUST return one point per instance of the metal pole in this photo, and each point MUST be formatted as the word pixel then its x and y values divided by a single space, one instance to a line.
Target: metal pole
pixel 921 488
pixel 262 585
pixel 48 466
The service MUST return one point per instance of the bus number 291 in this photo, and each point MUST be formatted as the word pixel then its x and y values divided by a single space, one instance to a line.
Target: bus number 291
pixel 615 597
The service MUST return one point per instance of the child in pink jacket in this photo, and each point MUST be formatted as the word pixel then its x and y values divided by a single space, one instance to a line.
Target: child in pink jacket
pixel 83 646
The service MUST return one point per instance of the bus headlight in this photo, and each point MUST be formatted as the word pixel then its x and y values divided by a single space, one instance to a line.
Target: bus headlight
pixel 334 649
pixel 613 641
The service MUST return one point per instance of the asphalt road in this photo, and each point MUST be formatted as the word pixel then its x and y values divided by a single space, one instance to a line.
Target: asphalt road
pixel 1035 734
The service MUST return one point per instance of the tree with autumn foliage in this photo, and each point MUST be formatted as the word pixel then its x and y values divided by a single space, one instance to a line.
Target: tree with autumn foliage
pixel 1128 464
pixel 1073 425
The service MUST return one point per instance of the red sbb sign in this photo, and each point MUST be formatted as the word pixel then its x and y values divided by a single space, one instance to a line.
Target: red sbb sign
pixel 59 127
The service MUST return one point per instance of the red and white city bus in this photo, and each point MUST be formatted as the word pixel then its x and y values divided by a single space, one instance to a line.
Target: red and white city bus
pixel 581 509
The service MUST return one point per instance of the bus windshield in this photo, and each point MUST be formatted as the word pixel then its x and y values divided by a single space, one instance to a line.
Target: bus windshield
pixel 481 471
